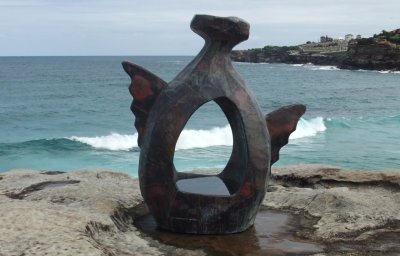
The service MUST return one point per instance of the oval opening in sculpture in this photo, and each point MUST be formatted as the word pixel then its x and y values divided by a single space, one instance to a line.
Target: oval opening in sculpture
pixel 194 140
pixel 227 182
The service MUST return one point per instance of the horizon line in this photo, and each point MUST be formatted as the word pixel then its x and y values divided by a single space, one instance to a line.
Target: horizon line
pixel 117 55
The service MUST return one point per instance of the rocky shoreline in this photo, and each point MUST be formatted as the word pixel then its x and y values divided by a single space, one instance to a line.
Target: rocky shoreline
pixel 279 56
pixel 380 52
pixel 92 212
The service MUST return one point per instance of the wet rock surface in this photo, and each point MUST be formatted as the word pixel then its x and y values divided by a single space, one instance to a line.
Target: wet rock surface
pixel 274 233
pixel 309 210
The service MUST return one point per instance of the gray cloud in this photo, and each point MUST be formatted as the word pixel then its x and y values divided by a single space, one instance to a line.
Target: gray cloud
pixel 130 27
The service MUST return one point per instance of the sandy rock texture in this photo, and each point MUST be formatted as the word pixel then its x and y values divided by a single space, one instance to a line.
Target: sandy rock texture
pixel 77 213
pixel 91 212
pixel 348 205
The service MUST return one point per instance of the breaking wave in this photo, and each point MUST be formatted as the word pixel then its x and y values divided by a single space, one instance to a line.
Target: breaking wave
pixel 308 128
pixel 113 141
pixel 317 67
pixel 217 136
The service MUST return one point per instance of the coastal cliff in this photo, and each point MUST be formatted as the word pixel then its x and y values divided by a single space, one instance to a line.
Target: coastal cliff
pixel 288 55
pixel 377 53
pixel 380 52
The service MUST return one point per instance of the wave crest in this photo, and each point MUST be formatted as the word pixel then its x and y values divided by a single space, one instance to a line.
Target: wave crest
pixel 113 141
pixel 308 128
pixel 316 67
pixel 217 136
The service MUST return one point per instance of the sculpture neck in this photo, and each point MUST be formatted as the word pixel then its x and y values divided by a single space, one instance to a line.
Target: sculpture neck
pixel 217 47
pixel 215 53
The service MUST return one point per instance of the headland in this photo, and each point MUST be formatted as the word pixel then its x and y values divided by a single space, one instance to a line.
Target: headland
pixel 379 52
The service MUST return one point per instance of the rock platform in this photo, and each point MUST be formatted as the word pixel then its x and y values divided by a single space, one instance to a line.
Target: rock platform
pixel 92 212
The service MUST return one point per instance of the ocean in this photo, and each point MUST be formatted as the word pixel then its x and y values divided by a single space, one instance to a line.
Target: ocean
pixel 70 113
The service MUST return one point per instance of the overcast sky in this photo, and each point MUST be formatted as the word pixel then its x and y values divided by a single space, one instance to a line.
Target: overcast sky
pixel 157 27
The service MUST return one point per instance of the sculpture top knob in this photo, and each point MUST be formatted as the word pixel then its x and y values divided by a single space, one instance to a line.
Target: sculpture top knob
pixel 231 29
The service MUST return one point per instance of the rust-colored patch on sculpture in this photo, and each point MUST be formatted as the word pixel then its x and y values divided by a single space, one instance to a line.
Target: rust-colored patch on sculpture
pixel 141 89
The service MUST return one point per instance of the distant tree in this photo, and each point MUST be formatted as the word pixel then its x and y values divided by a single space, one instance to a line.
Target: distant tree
pixel 365 41
pixel 394 39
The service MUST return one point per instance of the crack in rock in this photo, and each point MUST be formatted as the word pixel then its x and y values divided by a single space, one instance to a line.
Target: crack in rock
pixel 316 181
pixel 390 226
pixel 121 237
pixel 40 186
pixel 123 218
pixel 93 230
pixel 52 172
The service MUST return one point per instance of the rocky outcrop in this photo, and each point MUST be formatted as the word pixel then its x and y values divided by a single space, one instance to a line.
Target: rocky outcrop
pixel 268 54
pixel 380 52
pixel 91 212
pixel 349 205
pixel 373 55
pixel 281 55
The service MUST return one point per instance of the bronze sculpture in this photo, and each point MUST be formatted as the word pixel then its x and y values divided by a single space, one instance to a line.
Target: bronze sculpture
pixel 162 110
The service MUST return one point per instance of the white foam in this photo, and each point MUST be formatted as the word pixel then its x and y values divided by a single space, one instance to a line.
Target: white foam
pixel 328 68
pixel 379 71
pixel 316 67
pixel 113 141
pixel 389 72
pixel 217 136
pixel 308 128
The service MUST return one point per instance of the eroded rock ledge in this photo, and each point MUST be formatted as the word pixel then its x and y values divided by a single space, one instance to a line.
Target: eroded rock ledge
pixel 91 212
pixel 350 205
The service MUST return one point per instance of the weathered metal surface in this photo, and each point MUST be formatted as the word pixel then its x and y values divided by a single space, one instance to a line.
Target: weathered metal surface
pixel 162 110
pixel 281 123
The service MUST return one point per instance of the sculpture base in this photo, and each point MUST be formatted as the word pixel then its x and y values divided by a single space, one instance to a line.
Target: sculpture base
pixel 274 232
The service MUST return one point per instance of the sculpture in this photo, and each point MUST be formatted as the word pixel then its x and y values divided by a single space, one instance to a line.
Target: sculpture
pixel 162 110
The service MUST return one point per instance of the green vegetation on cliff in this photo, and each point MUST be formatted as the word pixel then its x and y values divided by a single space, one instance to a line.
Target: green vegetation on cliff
pixel 286 54
pixel 390 36
pixel 272 50
pixel 267 54
pixel 385 36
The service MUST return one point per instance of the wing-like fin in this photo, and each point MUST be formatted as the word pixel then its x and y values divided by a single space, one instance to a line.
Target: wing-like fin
pixel 145 87
pixel 281 123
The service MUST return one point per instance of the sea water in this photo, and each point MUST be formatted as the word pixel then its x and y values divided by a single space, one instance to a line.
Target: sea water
pixel 68 113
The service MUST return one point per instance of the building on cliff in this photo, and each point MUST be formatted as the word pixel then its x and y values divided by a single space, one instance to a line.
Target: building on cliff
pixel 327 45
pixel 325 39
pixel 336 45
pixel 348 37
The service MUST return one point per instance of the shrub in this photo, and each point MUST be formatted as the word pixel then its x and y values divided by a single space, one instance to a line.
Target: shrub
pixel 394 39
pixel 365 41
